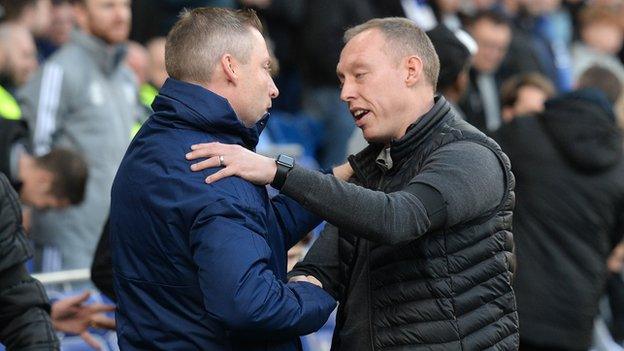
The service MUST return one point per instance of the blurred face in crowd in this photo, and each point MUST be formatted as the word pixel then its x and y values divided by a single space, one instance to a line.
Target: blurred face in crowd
pixel 62 23
pixel 375 85
pixel 37 17
pixel 138 61
pixel 21 55
pixel 492 40
pixel 157 72
pixel 36 190
pixel 482 4
pixel 540 7
pixel 531 99
pixel 255 86
pixel 449 6
pixel 603 36
pixel 108 20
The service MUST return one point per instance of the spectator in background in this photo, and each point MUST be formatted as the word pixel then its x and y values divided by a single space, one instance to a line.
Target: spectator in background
pixel 598 76
pixel 137 60
pixel 525 94
pixel 602 32
pixel 156 71
pixel 16 66
pixel 24 307
pixel 20 56
pixel 148 65
pixel 85 99
pixel 26 317
pixel 426 14
pixel 324 22
pixel 33 14
pixel 570 193
pixel 283 20
pixel 455 50
pixel 59 32
pixel 54 180
pixel 155 18
pixel 548 26
pixel 481 104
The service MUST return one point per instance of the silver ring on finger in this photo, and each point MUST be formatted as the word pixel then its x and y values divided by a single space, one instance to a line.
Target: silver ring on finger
pixel 221 161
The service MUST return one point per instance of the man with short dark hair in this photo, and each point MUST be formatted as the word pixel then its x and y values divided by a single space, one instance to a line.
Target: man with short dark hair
pixel 602 78
pixel 33 14
pixel 418 246
pixel 481 104
pixel 85 99
pixel 53 180
pixel 204 268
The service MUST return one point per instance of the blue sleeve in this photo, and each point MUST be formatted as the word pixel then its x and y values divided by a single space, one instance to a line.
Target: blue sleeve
pixel 295 220
pixel 238 287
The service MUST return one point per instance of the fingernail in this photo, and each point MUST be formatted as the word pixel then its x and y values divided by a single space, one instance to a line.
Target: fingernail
pixel 193 166
pixel 193 147
pixel 208 180
pixel 188 155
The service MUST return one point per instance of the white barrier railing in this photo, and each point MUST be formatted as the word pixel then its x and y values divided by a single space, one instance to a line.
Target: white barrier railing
pixel 64 278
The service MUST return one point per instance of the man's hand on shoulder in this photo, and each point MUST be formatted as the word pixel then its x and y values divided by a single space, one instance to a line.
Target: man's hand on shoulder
pixel 235 160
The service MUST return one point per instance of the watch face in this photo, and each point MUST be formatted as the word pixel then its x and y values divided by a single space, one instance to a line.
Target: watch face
pixel 285 160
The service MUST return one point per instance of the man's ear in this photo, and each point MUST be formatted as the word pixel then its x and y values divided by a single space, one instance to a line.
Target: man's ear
pixel 414 67
pixel 229 65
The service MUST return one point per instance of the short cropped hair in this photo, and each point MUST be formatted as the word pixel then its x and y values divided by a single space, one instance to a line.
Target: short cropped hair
pixel 603 79
pixel 511 87
pixel 202 36
pixel 591 14
pixel 13 9
pixel 493 16
pixel 404 38
pixel 70 174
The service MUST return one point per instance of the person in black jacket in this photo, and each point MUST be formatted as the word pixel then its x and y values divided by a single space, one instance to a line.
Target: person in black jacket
pixel 418 246
pixel 24 307
pixel 569 213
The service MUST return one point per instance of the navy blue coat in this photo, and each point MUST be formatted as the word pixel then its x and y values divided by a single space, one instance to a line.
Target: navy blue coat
pixel 197 266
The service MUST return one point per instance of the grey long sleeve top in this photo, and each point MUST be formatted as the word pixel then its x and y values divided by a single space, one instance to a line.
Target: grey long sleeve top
pixel 467 176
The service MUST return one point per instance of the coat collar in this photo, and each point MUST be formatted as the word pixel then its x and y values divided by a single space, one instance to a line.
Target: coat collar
pixel 202 109
pixel 364 163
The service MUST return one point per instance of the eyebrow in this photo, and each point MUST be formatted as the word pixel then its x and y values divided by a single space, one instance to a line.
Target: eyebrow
pixel 354 66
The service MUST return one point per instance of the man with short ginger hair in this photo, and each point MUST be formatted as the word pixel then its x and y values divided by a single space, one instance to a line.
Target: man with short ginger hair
pixel 418 245
pixel 204 268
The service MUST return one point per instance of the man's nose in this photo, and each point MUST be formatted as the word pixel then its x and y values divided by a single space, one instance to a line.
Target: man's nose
pixel 273 91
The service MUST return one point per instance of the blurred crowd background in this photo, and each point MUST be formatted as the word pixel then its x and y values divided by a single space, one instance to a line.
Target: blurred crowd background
pixel 77 79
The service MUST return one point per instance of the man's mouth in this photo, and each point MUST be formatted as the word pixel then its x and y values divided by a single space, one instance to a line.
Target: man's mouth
pixel 359 113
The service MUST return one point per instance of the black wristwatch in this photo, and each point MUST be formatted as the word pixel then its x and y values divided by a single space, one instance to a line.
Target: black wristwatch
pixel 284 164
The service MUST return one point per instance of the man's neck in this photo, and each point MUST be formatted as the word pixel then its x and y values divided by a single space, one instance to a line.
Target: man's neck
pixel 423 104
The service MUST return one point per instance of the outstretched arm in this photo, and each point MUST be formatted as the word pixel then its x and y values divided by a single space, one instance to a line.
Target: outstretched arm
pixel 459 182
pixel 239 288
